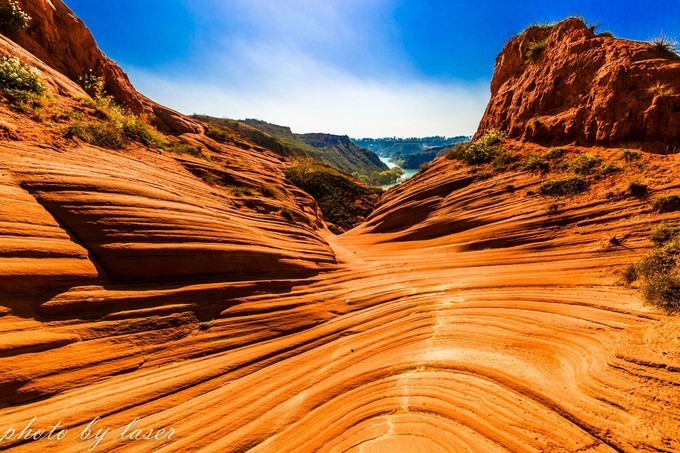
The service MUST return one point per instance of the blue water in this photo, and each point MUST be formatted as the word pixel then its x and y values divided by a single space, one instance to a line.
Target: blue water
pixel 408 172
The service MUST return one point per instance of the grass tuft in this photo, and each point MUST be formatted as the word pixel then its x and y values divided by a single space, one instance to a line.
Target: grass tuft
pixel 204 326
pixel 536 163
pixel 665 45
pixel 667 203
pixel 630 274
pixel 272 192
pixel 663 233
pixel 584 164
pixel 97 134
pixel 535 49
pixel 553 208
pixel 630 156
pixel 661 90
pixel 570 185
pixel 286 213
pixel 608 168
pixel 555 154
pixel 637 189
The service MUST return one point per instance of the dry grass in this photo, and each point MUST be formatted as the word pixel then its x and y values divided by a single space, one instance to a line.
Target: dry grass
pixel 661 89
pixel 535 49
pixel 665 45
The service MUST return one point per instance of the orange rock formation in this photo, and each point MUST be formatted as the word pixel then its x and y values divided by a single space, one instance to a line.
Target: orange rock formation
pixel 585 88
pixel 461 315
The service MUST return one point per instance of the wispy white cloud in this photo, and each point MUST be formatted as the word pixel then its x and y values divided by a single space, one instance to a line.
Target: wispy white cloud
pixel 315 66
pixel 342 105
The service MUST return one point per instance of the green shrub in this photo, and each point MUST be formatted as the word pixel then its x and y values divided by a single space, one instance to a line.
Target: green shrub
pixel 584 164
pixel 636 189
pixel 476 153
pixel 184 148
pixel 480 151
pixel 272 192
pixel 491 137
pixel 555 154
pixel 660 270
pixel 219 134
pixel 423 168
pixel 540 26
pixel 135 129
pixel 503 160
pixel 570 185
pixel 16 75
pixel 630 274
pixel 103 135
pixel 13 19
pixel 385 177
pixel 240 191
pixel 129 126
pixel 286 213
pixel 536 163
pixel 483 175
pixel 630 156
pixel 535 49
pixel 344 201
pixel 24 101
pixel 552 209
pixel 663 233
pixel 92 84
pixel 667 203
pixel 609 168
pixel 606 34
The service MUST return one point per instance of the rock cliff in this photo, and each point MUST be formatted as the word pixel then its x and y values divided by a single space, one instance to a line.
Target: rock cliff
pixel 565 84
pixel 61 40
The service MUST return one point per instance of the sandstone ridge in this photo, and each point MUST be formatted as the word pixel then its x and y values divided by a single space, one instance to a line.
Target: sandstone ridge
pixel 576 86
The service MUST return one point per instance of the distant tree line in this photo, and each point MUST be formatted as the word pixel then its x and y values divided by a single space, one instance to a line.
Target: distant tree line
pixel 388 146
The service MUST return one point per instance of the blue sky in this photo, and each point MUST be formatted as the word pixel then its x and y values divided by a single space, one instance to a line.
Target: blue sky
pixel 356 67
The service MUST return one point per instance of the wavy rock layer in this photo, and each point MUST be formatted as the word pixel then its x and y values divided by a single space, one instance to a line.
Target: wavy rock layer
pixel 427 336
pixel 461 316
pixel 585 88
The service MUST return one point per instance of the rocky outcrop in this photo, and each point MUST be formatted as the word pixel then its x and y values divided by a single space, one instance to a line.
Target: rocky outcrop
pixel 564 83
pixel 61 40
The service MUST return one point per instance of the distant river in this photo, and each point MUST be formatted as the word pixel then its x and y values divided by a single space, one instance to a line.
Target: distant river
pixel 408 172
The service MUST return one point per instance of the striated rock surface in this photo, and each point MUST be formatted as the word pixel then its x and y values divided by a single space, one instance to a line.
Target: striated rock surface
pixel 464 314
pixel 585 88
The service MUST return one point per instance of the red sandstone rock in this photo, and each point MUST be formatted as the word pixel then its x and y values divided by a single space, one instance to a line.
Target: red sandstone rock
pixel 585 88
pixel 461 316
pixel 61 40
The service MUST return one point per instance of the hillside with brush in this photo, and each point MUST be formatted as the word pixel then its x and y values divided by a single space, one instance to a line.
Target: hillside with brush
pixel 334 150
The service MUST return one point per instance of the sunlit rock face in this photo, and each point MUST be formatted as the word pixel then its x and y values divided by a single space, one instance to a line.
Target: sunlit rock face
pixel 585 88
